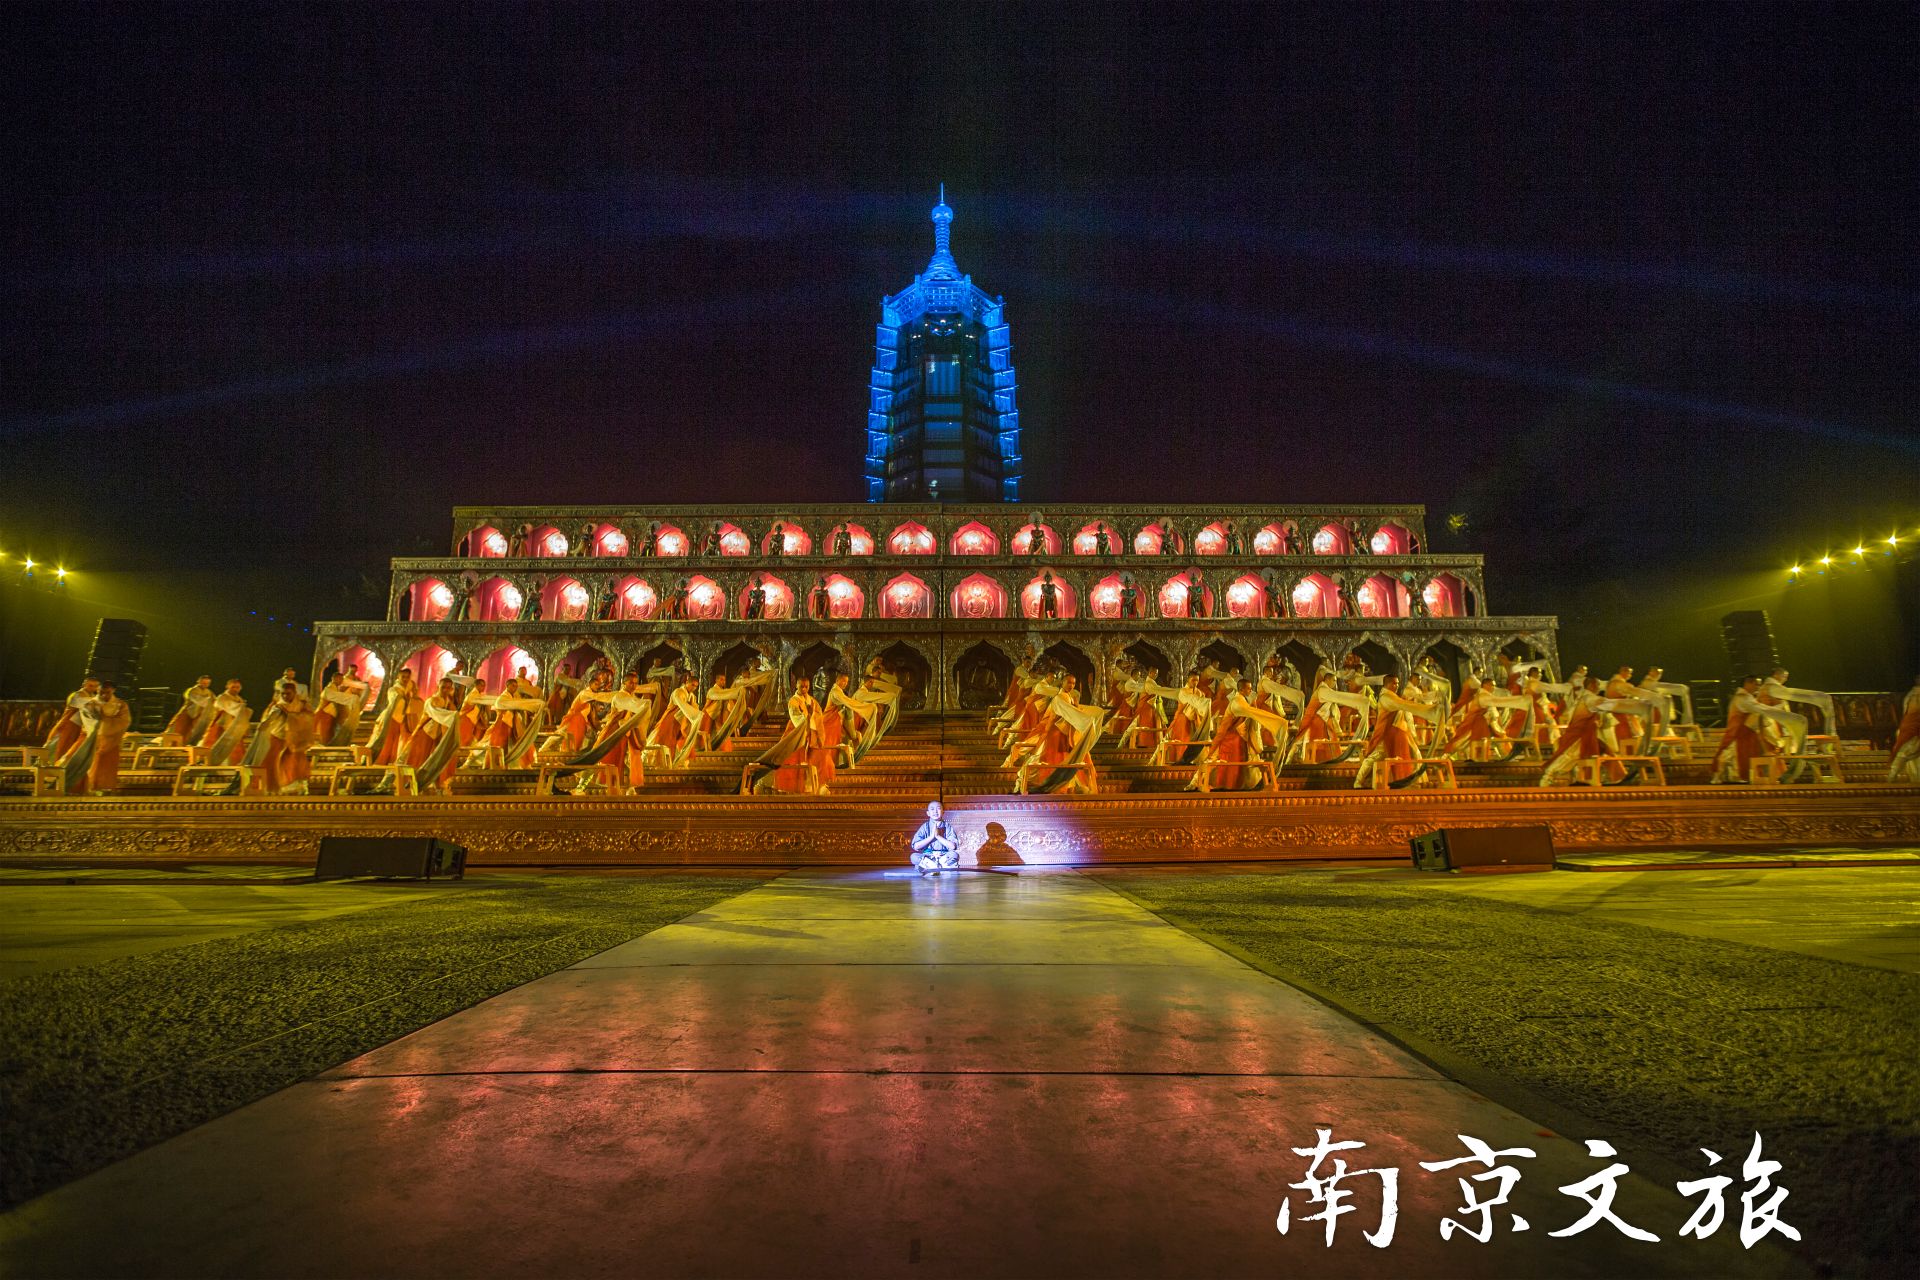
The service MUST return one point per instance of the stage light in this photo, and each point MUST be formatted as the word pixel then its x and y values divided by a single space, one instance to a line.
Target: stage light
pixel 556 543
pixel 1793 572
pixel 1893 539
pixel 1825 561
pixel 29 564
pixel 59 573
pixel 613 543
pixel 494 544
pixel 1325 543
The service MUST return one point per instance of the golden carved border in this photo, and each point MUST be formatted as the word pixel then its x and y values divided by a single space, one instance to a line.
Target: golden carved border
pixel 691 830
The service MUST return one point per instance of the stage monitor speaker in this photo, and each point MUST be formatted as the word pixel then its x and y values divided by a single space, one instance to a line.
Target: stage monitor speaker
pixel 389 857
pixel 117 646
pixel 1484 849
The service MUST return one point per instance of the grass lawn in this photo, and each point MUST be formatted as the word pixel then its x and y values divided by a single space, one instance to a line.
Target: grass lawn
pixel 100 1061
pixel 1659 1042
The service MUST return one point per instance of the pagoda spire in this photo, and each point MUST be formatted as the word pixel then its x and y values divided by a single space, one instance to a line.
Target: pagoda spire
pixel 942 264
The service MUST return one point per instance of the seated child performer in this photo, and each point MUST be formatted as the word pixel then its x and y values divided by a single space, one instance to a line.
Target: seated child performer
pixel 935 847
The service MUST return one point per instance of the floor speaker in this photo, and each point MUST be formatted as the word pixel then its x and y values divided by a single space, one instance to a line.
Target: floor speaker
pixel 389 857
pixel 1484 849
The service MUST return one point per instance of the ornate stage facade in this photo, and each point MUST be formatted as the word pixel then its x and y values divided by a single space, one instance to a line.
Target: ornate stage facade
pixel 951 592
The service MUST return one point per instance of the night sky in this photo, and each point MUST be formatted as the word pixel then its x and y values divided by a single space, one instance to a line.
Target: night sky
pixel 1633 289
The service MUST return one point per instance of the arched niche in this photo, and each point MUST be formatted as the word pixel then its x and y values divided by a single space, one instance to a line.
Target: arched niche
pixel 849 540
pixel 1445 596
pixel 1276 539
pixel 1391 539
pixel 546 543
pixel 1247 597
pixel 1305 661
pixel 1032 597
pixel 633 600
pixel 1024 536
pixel 429 665
pixel 776 598
pixel 735 661
pixel 1152 658
pixel 1380 660
pixel 816 657
pixel 844 598
pixel 1220 654
pixel 1316 596
pixel 910 668
pixel 979 596
pixel 610 541
pixel 578 662
pixel 1107 598
pixel 659 658
pixel 981 676
pixel 1381 596
pixel 358 658
pixel 485 543
pixel 1075 662
pixel 498 667
pixel 706 602
pixel 1178 599
pixel 1218 539
pixel 1452 661
pixel 1156 539
pixel 906 597
pixel 911 539
pixel 565 599
pixel 671 540
pixel 725 538
pixel 794 541
pixel 1087 541
pixel 1332 539
pixel 496 600
pixel 974 539
pixel 428 600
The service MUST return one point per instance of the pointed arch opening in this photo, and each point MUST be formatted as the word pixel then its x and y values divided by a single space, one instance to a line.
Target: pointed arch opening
pixel 565 599
pixel 979 596
pixel 911 539
pixel 1332 540
pixel 484 543
pixel 1391 539
pixel 849 540
pixel 496 600
pixel 610 542
pixel 981 677
pixel 633 599
pixel 1034 602
pixel 1181 596
pixel 1445 596
pixel 1247 597
pixel 1316 596
pixel 1023 540
pixel 974 539
pixel 1381 596
pixel 774 600
pixel 794 541
pixel 906 597
pixel 1088 542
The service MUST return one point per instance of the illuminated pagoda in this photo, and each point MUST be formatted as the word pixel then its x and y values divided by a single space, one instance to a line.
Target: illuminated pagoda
pixel 941 420
pixel 942 572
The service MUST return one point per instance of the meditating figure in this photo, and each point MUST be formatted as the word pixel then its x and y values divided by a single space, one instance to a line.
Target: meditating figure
pixel 935 847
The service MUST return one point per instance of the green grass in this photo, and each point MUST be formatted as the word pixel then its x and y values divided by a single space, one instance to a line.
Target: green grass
pixel 97 1063
pixel 1661 1043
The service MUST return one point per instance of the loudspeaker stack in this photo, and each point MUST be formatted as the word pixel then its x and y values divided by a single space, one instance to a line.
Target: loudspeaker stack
pixel 1748 636
pixel 117 646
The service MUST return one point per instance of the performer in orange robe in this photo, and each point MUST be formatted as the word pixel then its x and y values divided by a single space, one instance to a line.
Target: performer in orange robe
pixel 68 730
pixel 832 734
pixel 403 718
pixel 446 729
pixel 1905 763
pixel 1742 741
pixel 196 708
pixel 296 733
pixel 679 721
pixel 788 765
pixel 112 715
pixel 1580 736
pixel 1626 729
pixel 231 715
pixel 1391 741
pixel 582 717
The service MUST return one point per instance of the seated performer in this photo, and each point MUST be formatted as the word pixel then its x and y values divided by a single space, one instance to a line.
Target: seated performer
pixel 678 726
pixel 935 847
pixel 111 716
pixel 1237 759
pixel 435 749
pixel 1794 735
pixel 1392 745
pixel 720 715
pixel 1061 747
pixel 1742 742
pixel 337 717
pixel 788 766
pixel 397 720
pixel 228 730
pixel 859 719
pixel 1191 729
pixel 1905 763
pixel 69 729
pixel 288 727
pixel 190 721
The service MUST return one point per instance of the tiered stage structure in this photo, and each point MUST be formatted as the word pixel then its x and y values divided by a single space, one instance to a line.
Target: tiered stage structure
pixel 952 585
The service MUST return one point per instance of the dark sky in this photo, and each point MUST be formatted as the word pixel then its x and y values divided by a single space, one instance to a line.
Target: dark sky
pixel 1634 288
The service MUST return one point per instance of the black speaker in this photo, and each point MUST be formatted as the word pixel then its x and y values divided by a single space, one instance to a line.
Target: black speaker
pixel 1748 637
pixel 1484 849
pixel 389 857
pixel 117 646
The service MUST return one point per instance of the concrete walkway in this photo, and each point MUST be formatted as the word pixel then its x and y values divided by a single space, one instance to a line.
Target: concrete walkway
pixel 850 1075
